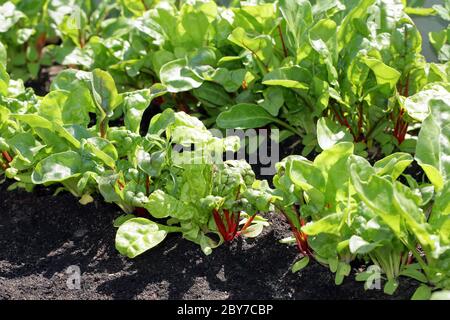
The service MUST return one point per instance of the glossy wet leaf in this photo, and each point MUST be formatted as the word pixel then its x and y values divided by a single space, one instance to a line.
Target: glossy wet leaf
pixel 57 167
pixel 135 236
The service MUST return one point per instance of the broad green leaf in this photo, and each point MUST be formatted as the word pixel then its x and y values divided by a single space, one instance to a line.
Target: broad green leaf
pixel 160 122
pixel 25 146
pixel 177 76
pixel 329 224
pixel 433 144
pixel 162 205
pixel 329 133
pixel 213 93
pixel 102 149
pixel 347 28
pixel 260 46
pixel 289 77
pixel 104 91
pixel 273 100
pixel 37 122
pixel 423 292
pixel 360 246
pixel 253 231
pixel 383 73
pixel 153 163
pixel 52 104
pixel 244 116
pixel 196 25
pixel 135 236
pixel 393 165
pixel 57 167
pixel 418 105
pixel 135 103
pixel 298 16
pixel 309 178
pixel 378 194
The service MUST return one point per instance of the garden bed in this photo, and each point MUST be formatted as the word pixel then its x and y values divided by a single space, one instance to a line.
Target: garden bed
pixel 42 235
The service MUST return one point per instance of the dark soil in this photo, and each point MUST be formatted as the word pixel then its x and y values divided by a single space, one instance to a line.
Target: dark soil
pixel 42 235
pixel 41 85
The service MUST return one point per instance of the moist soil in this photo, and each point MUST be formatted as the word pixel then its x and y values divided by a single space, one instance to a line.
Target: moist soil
pixel 42 235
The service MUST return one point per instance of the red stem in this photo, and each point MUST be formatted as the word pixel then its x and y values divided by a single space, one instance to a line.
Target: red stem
pixel 282 41
pixel 233 232
pixel 406 89
pixel 40 44
pixel 121 185
pixel 220 225
pixel 400 128
pixel 6 156
pixel 227 219
pixel 343 121
pixel 301 238
pixel 248 223
pixel 147 184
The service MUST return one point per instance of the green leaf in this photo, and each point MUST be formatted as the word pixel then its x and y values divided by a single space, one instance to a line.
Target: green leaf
pixel 104 91
pixel 433 144
pixel 135 103
pixel 273 100
pixel 383 73
pixel 423 292
pixel 177 76
pixel 390 287
pixel 244 116
pixel 153 163
pixel 329 133
pixel 393 165
pixel 300 264
pixel 414 274
pixel 298 16
pixel 418 105
pixel 253 231
pixel 329 224
pixel 348 28
pixel 260 46
pixel 288 77
pixel 57 167
pixel 135 236
pixel 377 193
pixel 162 205
pixel 47 128
pixel 360 246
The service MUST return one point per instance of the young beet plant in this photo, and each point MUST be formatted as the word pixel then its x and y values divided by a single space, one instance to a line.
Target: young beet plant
pixel 195 195
pixel 359 211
